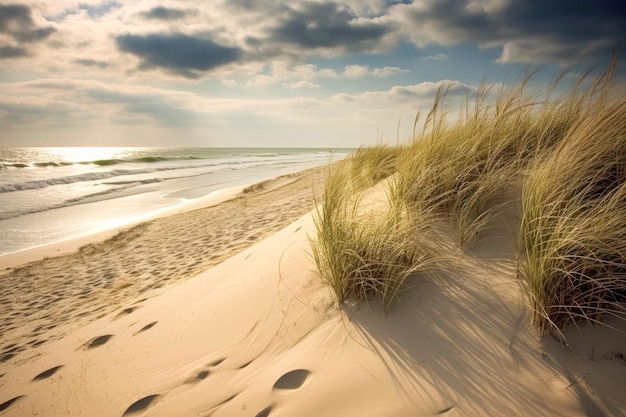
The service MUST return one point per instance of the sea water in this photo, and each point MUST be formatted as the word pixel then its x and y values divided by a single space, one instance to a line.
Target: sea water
pixel 52 194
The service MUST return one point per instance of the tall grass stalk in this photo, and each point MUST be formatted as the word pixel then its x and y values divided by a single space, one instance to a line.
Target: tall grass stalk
pixel 573 228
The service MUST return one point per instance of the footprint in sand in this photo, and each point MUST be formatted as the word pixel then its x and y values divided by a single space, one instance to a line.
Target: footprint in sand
pixel 125 312
pixel 197 377
pixel 445 410
pixel 141 405
pixel 264 412
pixel 37 342
pixel 96 341
pixel 216 362
pixel 146 327
pixel 245 365
pixel 47 374
pixel 9 351
pixel 289 381
pixel 292 380
pixel 7 404
pixel 203 373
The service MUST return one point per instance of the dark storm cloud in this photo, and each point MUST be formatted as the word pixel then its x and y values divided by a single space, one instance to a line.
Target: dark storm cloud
pixel 567 19
pixel 558 30
pixel 164 13
pixel 16 22
pixel 181 54
pixel 326 25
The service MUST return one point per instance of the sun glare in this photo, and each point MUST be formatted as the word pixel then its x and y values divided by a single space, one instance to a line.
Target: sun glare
pixel 86 154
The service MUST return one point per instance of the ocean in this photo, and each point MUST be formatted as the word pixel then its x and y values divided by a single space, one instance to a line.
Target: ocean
pixel 53 194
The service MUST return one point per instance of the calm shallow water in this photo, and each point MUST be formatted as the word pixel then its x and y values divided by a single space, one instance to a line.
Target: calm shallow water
pixel 51 194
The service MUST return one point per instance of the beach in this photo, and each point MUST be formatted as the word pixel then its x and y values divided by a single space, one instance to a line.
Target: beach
pixel 143 259
pixel 220 311
pixel 315 208
pixel 49 195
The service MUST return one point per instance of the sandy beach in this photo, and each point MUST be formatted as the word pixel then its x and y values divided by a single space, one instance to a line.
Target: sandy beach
pixel 220 311
pixel 312 208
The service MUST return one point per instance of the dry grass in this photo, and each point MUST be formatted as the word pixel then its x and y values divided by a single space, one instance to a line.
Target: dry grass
pixel 563 156
pixel 574 223
pixel 363 252
pixel 373 164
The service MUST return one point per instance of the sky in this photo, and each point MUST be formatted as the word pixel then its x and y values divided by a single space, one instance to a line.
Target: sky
pixel 318 73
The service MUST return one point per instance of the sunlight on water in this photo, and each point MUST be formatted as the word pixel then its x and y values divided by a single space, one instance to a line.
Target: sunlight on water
pixel 85 154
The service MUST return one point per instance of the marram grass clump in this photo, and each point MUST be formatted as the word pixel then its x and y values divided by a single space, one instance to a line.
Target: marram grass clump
pixel 464 169
pixel 362 252
pixel 562 159
pixel 574 224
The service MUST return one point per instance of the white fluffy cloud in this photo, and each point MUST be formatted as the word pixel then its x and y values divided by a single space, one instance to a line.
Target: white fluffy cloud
pixel 413 94
pixel 358 71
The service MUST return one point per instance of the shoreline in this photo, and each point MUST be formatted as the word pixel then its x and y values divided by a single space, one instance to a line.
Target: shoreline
pixel 110 269
pixel 72 244
pixel 107 205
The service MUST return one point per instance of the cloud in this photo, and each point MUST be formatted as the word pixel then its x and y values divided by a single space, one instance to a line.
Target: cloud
pixel 388 71
pixel 409 94
pixel 15 18
pixel 561 31
pixel 326 25
pixel 304 85
pixel 436 57
pixel 182 39
pixel 282 73
pixel 12 52
pixel 62 106
pixel 269 50
pixel 93 63
pixel 82 102
pixel 157 105
pixel 358 71
pixel 17 24
pixel 178 53
pixel 165 13
pixel 100 9
pixel 355 71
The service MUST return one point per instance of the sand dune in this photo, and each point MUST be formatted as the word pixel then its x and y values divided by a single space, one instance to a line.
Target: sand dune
pixel 259 335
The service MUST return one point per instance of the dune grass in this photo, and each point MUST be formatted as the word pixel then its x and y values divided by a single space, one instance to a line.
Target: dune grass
pixel 463 170
pixel 373 164
pixel 363 252
pixel 574 223
pixel 563 156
